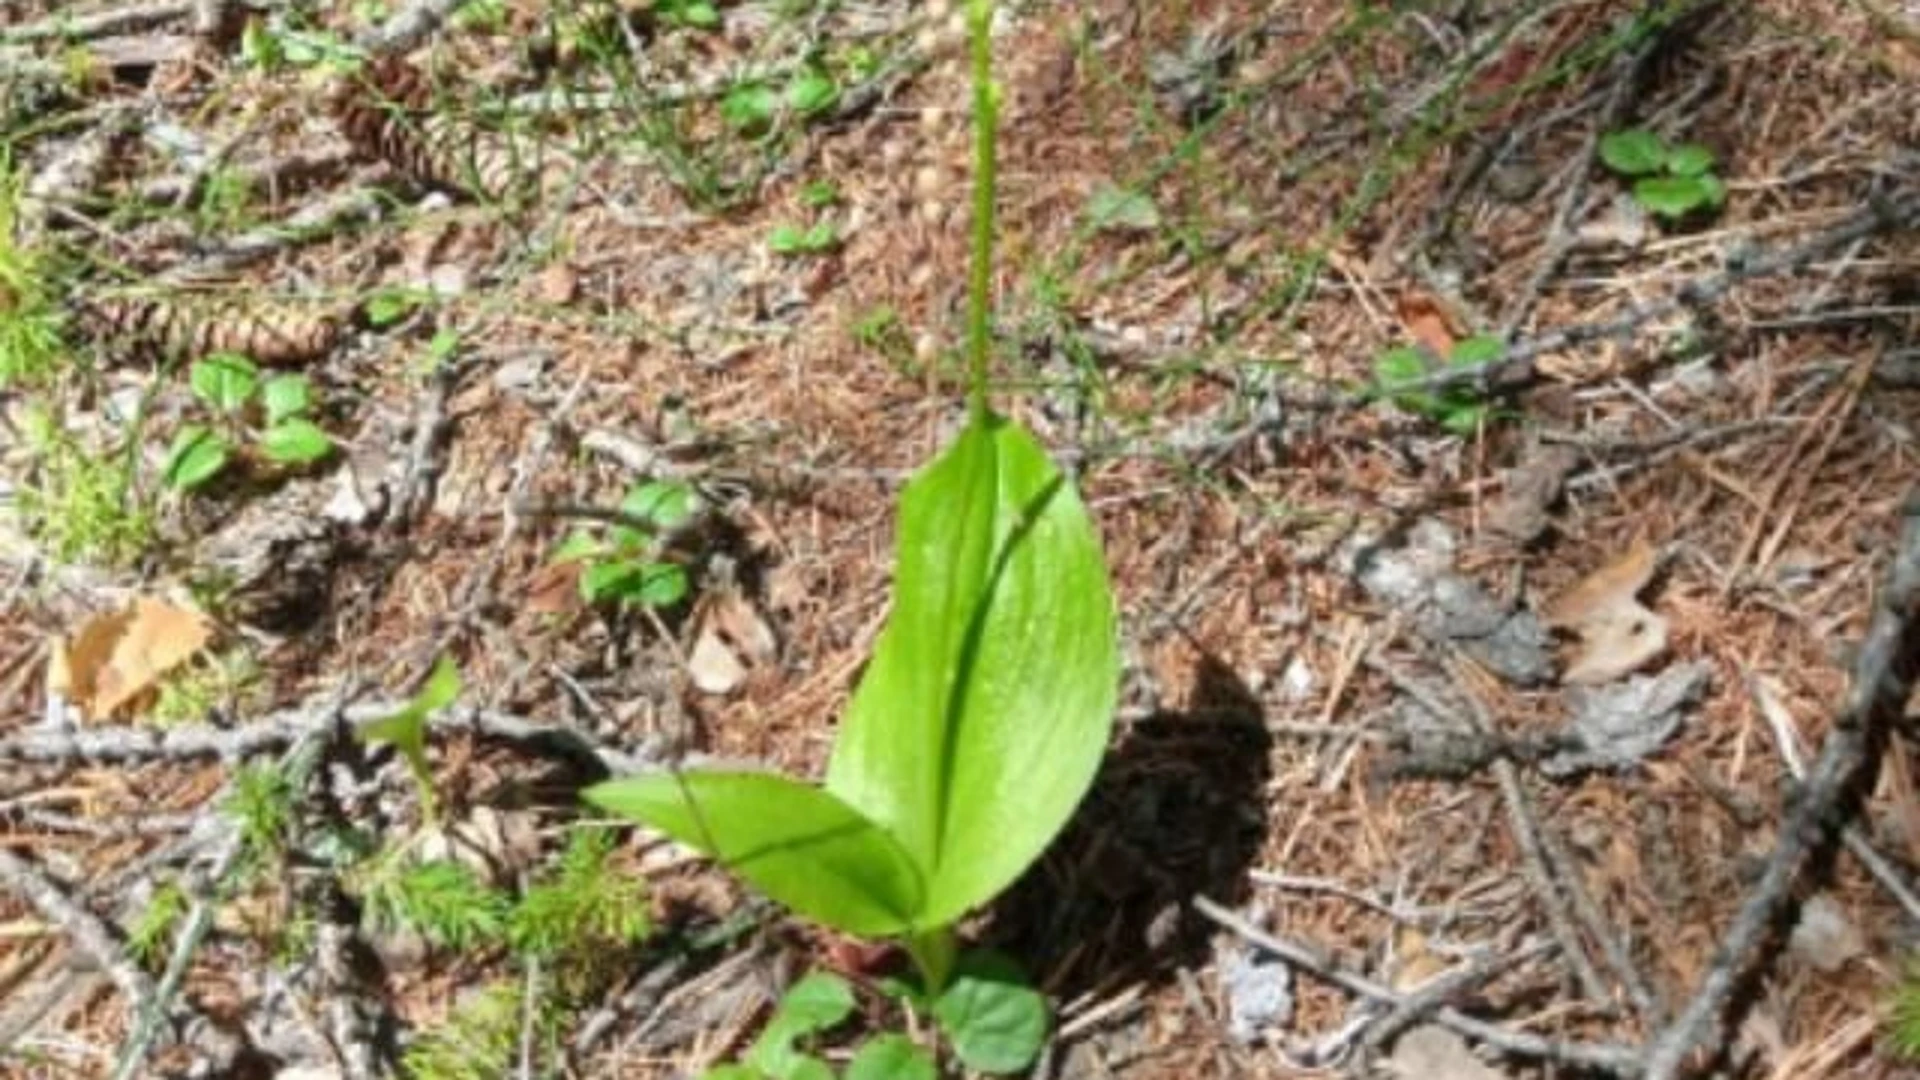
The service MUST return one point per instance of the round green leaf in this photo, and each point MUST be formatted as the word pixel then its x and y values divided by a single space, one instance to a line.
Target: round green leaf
pixel 749 106
pixel 1478 349
pixel 389 306
pixel 1677 196
pixel 295 442
pixel 197 455
pixel 995 1020
pixel 1633 152
pixel 814 1004
pixel 285 397
pixel 578 545
pixel 224 380
pixel 1691 159
pixel 631 581
pixel 812 91
pixel 787 239
pixel 664 503
pixel 892 1056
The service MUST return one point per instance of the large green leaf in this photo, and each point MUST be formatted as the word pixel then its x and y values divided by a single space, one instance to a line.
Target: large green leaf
pixel 798 844
pixel 987 705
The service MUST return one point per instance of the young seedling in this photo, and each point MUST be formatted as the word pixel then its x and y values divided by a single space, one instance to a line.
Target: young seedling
pixel 271 414
pixel 406 730
pixel 819 238
pixel 623 564
pixel 1669 181
pixel 1399 372
pixel 982 715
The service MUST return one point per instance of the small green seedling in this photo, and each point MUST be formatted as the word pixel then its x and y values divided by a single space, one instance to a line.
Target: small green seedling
pixel 623 563
pixel 1903 1014
pixel 697 14
pixel 1112 209
pixel 819 194
pixel 270 413
pixel 812 92
pixel 1669 181
pixel 983 713
pixel 151 934
pixel 406 730
pixel 1399 372
pixel 388 306
pixel 810 1008
pixel 820 238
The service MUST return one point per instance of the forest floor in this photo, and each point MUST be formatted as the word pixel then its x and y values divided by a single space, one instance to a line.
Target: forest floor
pixel 1486 705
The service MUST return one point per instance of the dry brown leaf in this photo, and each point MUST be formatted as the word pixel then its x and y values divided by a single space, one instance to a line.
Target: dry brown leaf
pixel 1426 322
pixel 118 657
pixel 1618 634
pixel 732 638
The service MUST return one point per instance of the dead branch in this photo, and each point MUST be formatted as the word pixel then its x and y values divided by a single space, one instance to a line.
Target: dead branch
pixel 1883 680
pixel 1599 1057
pixel 123 20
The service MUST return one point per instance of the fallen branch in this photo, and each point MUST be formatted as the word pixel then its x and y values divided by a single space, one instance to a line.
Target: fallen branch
pixel 88 932
pixel 1599 1057
pixel 110 745
pixel 1883 681
pixel 125 20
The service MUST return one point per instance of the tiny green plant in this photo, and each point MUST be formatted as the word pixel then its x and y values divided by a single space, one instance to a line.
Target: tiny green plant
pixel 588 905
pixel 1669 181
pixel 271 414
pixel 151 934
pixel 983 713
pixel 623 564
pixel 820 238
pixel 1903 1015
pixel 31 348
pixel 81 503
pixel 697 14
pixel 1400 372
pixel 443 901
pixel 482 1038
pixel 261 805
pixel 406 730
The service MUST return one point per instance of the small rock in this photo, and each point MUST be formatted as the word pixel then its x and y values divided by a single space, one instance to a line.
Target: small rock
pixel 1616 725
pixel 1259 991
pixel 1824 938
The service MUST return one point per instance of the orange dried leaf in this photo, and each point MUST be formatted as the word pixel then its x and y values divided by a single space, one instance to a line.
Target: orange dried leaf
pixel 1426 323
pixel 121 655
pixel 1618 634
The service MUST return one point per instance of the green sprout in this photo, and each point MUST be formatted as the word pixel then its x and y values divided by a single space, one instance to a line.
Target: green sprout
pixel 1400 372
pixel 1669 181
pixel 271 413
pixel 406 730
pixel 623 564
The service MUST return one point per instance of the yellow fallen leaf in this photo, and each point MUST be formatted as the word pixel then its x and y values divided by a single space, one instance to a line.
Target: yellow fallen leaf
pixel 119 656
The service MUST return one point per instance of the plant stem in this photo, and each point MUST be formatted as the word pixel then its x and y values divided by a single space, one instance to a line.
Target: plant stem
pixel 986 109
pixel 933 954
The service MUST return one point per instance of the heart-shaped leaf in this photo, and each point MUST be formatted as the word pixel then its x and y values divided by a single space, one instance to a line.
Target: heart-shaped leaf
pixel 1677 196
pixel 1691 159
pixel 802 846
pixel 224 381
pixel 994 1018
pixel 285 397
pixel 813 1005
pixel 892 1056
pixel 1633 152
pixel 295 442
pixel 986 708
pixel 197 455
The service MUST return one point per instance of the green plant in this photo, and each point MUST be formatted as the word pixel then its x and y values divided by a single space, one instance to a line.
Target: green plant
pixel 984 711
pixel 204 684
pixel 1903 1015
pixel 1400 373
pixel 406 730
pixel 151 934
pixel 31 349
pixel 1669 181
pixel 623 563
pixel 481 1039
pixel 882 331
pixel 817 239
pixel 271 413
pixel 699 14
pixel 261 805
pixel 81 504
pixel 588 905
pixel 443 901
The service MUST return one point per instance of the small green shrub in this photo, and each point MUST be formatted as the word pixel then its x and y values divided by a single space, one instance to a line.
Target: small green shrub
pixel 623 564
pixel 1903 1016
pixel 80 502
pixel 271 414
pixel 588 905
pixel 443 901
pixel 151 936
pixel 1399 372
pixel 1669 181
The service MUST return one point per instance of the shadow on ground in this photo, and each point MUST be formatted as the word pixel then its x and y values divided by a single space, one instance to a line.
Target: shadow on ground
pixel 1177 811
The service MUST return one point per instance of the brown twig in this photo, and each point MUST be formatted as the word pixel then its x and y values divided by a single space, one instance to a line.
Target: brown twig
pixel 1883 679
pixel 123 20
